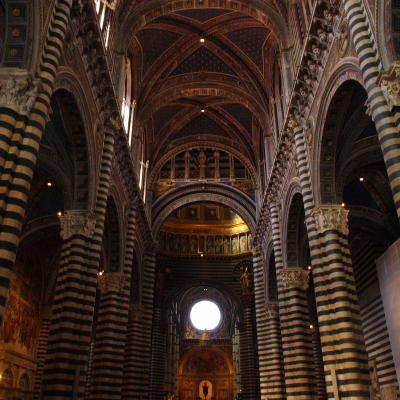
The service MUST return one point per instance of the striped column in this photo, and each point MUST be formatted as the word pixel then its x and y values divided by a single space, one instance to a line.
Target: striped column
pixel 248 356
pixel 330 291
pixel 275 382
pixel 136 380
pixel 318 364
pixel 158 358
pixel 20 137
pixel 385 121
pixel 338 308
pixel 40 357
pixel 72 312
pixel 294 320
pixel 109 346
pixel 272 381
pixel 159 341
pixel 111 327
pixel 71 329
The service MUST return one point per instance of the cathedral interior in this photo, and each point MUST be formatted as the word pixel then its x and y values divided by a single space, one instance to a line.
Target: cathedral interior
pixel 199 199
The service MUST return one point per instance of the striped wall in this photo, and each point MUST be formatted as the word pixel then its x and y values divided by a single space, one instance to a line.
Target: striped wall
pixel 372 312
pixel 187 270
pixel 19 143
pixel 269 344
pixel 136 378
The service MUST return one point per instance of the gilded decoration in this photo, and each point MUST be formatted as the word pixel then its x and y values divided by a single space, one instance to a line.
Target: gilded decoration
pixel 331 218
pixel 389 81
pixel 205 228
pixel 294 278
pixel 77 222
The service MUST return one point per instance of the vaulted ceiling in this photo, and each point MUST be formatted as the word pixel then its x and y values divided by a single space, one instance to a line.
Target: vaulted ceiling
pixel 202 73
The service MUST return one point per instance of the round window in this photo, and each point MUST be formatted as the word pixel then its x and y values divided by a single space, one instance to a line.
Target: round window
pixel 205 315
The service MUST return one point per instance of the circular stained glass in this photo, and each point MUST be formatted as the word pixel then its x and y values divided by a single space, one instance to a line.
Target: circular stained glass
pixel 205 315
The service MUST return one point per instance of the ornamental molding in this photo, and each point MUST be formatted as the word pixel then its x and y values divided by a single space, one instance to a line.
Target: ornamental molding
pixel 331 218
pixel 294 278
pixel 77 222
pixel 19 93
pixel 111 282
pixel 272 310
pixel 390 83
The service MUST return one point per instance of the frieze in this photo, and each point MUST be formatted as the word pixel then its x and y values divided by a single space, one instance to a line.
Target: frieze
pixel 272 310
pixel 77 222
pixel 332 217
pixel 294 278
pixel 19 94
pixel 390 84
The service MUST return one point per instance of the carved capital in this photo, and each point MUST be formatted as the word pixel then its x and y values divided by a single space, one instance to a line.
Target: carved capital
pixel 74 222
pixel 111 282
pixel 272 310
pixel 136 312
pixel 19 94
pixel 294 278
pixel 331 218
pixel 390 84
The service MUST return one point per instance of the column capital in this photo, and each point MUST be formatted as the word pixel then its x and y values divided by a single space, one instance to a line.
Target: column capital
pixel 390 83
pixel 136 312
pixel 19 93
pixel 292 278
pixel 111 282
pixel 74 222
pixel 295 124
pixel 331 218
pixel 272 309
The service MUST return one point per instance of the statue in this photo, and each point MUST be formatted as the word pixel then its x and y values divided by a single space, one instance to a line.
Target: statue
pixel 235 245
pixel 245 279
pixel 193 244
pixel 202 164
pixel 227 249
